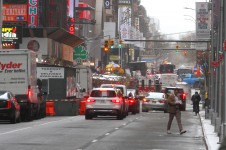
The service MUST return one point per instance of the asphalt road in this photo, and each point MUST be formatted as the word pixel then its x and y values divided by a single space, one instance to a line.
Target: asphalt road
pixel 145 131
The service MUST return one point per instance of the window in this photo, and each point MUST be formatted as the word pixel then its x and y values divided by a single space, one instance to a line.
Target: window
pixel 99 93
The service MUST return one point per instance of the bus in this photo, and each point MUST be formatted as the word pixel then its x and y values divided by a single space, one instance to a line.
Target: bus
pixel 166 68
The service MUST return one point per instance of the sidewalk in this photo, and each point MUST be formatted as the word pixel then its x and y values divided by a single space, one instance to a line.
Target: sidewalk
pixel 210 136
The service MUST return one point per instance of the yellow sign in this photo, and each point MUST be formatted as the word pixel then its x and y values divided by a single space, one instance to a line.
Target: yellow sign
pixel 114 57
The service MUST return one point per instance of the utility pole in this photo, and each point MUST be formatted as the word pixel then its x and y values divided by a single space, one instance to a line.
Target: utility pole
pixel 224 68
pixel 1 3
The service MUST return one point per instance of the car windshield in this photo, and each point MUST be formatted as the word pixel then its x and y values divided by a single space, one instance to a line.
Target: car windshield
pixel 172 90
pixel 104 93
pixel 111 86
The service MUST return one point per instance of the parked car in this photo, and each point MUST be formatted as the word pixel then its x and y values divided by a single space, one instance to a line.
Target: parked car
pixel 123 89
pixel 154 101
pixel 183 96
pixel 104 102
pixel 134 104
pixel 9 107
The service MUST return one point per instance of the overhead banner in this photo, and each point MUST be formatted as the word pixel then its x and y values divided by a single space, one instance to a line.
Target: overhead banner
pixel 202 21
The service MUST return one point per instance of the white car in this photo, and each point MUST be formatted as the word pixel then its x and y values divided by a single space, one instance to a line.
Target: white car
pixel 123 89
pixel 104 102
pixel 154 100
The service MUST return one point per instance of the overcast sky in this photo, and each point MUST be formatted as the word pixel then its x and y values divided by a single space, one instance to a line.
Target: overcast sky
pixel 172 14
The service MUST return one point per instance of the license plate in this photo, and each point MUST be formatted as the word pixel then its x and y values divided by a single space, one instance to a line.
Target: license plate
pixel 102 101
pixel 153 102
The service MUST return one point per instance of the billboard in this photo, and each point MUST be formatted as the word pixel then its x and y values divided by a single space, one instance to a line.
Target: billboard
pixel 12 34
pixel 14 12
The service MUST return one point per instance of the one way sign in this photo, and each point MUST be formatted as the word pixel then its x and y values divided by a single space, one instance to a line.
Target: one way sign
pixel 107 4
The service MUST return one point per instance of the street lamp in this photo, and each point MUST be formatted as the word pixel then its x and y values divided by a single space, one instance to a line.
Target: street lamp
pixel 189 8
pixel 190 17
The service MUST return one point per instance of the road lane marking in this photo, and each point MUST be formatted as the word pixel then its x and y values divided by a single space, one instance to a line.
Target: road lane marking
pixel 32 126
pixel 15 130
pixel 107 133
pixel 94 141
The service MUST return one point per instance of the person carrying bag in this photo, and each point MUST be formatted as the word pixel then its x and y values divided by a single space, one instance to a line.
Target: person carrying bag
pixel 174 103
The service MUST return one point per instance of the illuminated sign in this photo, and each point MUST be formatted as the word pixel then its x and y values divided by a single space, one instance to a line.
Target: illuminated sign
pixel 14 12
pixel 12 34
pixel 32 13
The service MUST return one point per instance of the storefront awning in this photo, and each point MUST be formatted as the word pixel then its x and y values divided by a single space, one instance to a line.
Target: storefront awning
pixel 57 34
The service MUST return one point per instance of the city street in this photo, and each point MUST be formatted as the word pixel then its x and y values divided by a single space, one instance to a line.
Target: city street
pixel 136 132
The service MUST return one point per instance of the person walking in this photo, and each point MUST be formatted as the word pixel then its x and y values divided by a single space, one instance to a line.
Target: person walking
pixel 174 103
pixel 196 100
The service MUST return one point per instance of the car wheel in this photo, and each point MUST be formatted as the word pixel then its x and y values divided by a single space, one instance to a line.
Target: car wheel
pixel 134 112
pixel 13 119
pixel 18 119
pixel 88 117
pixel 120 116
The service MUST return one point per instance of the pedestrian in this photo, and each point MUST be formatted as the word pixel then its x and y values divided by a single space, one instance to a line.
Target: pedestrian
pixel 174 103
pixel 195 101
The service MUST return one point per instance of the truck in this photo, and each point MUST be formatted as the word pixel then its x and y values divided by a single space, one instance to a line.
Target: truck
pixel 191 79
pixel 169 79
pixel 84 80
pixel 18 75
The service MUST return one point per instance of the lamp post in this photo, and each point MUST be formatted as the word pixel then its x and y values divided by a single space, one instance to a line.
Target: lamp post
pixel 1 25
pixel 189 8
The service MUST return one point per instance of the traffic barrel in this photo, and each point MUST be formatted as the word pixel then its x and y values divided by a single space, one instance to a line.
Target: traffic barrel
pixel 50 109
pixel 82 109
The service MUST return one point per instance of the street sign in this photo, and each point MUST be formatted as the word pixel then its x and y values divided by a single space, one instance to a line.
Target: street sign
pixel 80 53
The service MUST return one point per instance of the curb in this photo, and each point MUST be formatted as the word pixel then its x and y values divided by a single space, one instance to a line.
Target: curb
pixel 203 133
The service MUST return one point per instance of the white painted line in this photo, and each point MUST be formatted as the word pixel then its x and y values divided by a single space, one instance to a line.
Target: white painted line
pixel 116 128
pixel 94 141
pixel 124 124
pixel 107 133
pixel 15 131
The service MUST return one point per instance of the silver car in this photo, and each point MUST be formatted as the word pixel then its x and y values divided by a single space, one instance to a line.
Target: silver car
pixel 104 102
pixel 154 100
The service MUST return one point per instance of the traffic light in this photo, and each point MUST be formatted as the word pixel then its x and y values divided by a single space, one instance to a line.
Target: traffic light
pixel 185 53
pixel 177 47
pixel 106 48
pixel 112 43
pixel 120 43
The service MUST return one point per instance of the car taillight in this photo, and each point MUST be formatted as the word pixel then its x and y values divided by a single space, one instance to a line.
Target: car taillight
pixel 183 96
pixel 29 92
pixel 115 101
pixel 9 104
pixel 145 100
pixel 162 101
pixel 131 101
pixel 90 100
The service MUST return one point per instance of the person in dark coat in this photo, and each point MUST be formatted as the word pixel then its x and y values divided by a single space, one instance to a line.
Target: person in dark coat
pixel 196 100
